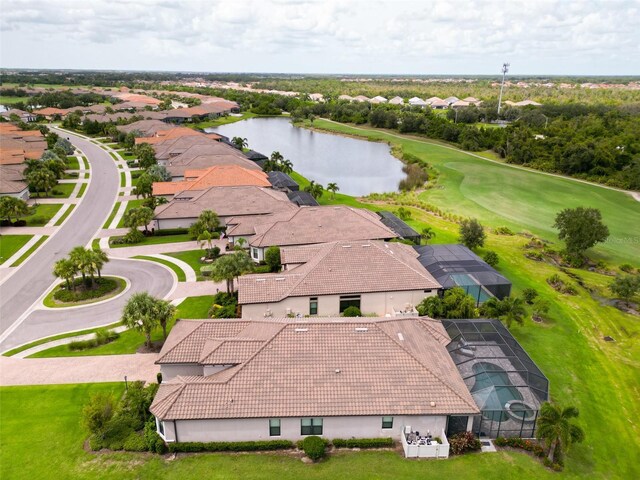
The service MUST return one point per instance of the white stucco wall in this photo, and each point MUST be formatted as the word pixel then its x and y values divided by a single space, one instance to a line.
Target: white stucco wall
pixel 381 303
pixel 172 371
pixel 24 194
pixel 235 430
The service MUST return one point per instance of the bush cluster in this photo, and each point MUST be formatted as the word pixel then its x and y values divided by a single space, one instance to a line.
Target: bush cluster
pixel 363 442
pixel 464 442
pixel 249 446
pixel 515 442
pixel 352 311
pixel 224 305
pixel 105 286
pixel 314 447
pixel 170 231
pixel 102 337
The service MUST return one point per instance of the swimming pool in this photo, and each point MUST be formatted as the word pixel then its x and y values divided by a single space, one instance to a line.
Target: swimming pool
pixel 493 390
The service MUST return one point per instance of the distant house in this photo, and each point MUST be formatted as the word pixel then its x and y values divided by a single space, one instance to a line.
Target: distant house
pixel 451 100
pixel 460 104
pixel 302 199
pixel 438 104
pixel 396 101
pixel 417 102
pixel 360 98
pixel 457 266
pixel 199 156
pixel 527 103
pixel 378 99
pixel 21 114
pixel 227 202
pixel 306 226
pixel 50 113
pixel 216 176
pixel 279 378
pixel 430 100
pixel 146 128
pixel 283 182
pixel 374 276
pixel 256 157
pixel 349 98
pixel 316 97
pixel 472 100
pixel 12 182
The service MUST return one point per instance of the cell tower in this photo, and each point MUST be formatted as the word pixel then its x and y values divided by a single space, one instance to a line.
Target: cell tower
pixel 505 70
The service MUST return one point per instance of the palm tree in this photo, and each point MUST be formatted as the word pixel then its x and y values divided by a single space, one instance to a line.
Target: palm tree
pixel 140 313
pixel 164 312
pixel 98 258
pixel 66 270
pixel 41 180
pixel 427 234
pixel 78 256
pixel 286 166
pixel 507 310
pixel 138 217
pixel 12 207
pixel 333 188
pixel 231 266
pixel 240 142
pixel 276 157
pixel 204 240
pixel 556 429
pixel 314 189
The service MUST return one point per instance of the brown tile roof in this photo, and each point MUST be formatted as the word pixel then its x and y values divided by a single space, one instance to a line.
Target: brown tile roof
pixel 11 178
pixel 226 202
pixel 145 127
pixel 108 117
pixel 217 176
pixel 322 224
pixel 339 268
pixel 48 111
pixel 323 367
pixel 18 145
pixel 173 147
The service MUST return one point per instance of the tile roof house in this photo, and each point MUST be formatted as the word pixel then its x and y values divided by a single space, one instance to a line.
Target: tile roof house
pixel 21 114
pixel 309 225
pixel 216 176
pixel 50 112
pixel 147 128
pixel 377 277
pixel 173 147
pixel 184 209
pixel 451 100
pixel 378 99
pixel 283 182
pixel 18 145
pixel 438 104
pixel 345 97
pixel 396 101
pixel 201 156
pixel 417 102
pixel 235 380
pixel 360 98
pixel 12 182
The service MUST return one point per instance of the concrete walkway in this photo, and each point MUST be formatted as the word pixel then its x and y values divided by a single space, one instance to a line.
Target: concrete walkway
pixel 52 201
pixel 118 216
pixel 87 369
pixel 27 230
pixel 197 289
pixel 126 252
pixel 58 215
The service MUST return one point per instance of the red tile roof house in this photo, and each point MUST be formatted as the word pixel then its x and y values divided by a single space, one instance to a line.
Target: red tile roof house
pixel 239 380
pixel 380 278
pixel 307 226
pixel 227 202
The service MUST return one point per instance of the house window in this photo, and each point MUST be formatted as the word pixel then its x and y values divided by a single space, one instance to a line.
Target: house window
pixel 274 427
pixel 313 306
pixel 311 426
pixel 387 422
pixel 347 301
pixel 254 253
pixel 160 426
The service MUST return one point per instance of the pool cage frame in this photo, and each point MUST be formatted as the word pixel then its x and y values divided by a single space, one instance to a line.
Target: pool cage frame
pixel 495 367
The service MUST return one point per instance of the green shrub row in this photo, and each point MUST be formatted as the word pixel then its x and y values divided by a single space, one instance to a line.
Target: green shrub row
pixel 515 442
pixel 104 286
pixel 102 337
pixel 170 231
pixel 249 446
pixel 362 442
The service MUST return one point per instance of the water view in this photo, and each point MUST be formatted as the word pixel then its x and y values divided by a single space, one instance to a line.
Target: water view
pixel 358 167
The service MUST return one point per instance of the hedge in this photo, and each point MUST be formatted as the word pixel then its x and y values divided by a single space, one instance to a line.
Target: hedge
pixel 104 286
pixel 363 442
pixel 170 231
pixel 249 446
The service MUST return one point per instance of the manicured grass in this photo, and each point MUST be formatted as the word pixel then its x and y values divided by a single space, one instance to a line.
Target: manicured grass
pixel 111 215
pixel 521 199
pixel 83 187
pixel 41 437
pixel 127 156
pixel 65 215
pixel 10 244
pixel 192 257
pixel 114 156
pixel 221 121
pixel 10 100
pixel 183 237
pixel 130 204
pixel 123 179
pixel 72 163
pixel 95 243
pixel 62 190
pixel 42 214
pixel 130 340
pixel 50 302
pixel 28 253
pixel 177 270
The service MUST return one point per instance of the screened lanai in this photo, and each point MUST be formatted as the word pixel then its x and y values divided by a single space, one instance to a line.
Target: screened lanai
pixel 505 383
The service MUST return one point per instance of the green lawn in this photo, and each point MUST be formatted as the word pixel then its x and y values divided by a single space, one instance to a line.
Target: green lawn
pixel 177 270
pixel 182 237
pixel 10 244
pixel 62 190
pixel 83 187
pixel 42 214
pixel 111 215
pixel 28 253
pixel 41 437
pixel 72 163
pixel 65 215
pixel 114 156
pixel 520 199
pixel 221 121
pixel 4 100
pixel 123 179
pixel 127 156
pixel 130 204
pixel 192 257
pixel 130 340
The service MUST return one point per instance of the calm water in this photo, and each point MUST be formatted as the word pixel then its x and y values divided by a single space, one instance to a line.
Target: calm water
pixel 358 167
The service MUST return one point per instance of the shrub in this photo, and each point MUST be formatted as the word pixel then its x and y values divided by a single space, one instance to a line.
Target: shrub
pixel 117 430
pixel 135 442
pixel 627 268
pixel 272 258
pixel 248 446
pixel 352 311
pixel 314 447
pixel 104 286
pixel 78 345
pixel 503 231
pixel 170 231
pixel 159 377
pixel 104 336
pixel 153 441
pixel 464 442
pixel 529 295
pixel 133 236
pixel 492 258
pixel 95 443
pixel 98 412
pixel 363 442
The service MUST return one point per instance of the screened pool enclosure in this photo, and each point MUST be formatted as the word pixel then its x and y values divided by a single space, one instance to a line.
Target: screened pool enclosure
pixel 505 383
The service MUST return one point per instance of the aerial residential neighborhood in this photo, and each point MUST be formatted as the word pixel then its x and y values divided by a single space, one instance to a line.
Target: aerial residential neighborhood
pixel 283 240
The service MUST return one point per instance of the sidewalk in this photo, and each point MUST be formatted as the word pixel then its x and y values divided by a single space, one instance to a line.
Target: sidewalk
pixel 197 289
pixel 28 230
pixel 126 252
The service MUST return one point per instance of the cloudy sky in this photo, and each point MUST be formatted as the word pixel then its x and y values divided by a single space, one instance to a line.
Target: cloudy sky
pixel 413 37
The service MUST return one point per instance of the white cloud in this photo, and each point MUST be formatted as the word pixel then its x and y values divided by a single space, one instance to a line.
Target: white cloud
pixel 545 36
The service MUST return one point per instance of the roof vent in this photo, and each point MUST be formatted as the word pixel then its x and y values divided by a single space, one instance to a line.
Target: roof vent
pixel 302 330
pixel 366 245
pixel 261 280
pixel 337 370
pixel 401 337
pixel 346 246
pixel 279 279
pixel 433 404
pixel 362 329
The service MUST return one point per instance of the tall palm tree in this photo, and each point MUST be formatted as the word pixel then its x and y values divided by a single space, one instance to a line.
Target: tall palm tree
pixel 427 234
pixel 507 310
pixel 333 188
pixel 139 313
pixel 78 256
pixel 240 142
pixel 314 189
pixel 99 258
pixel 286 166
pixel 276 157
pixel 556 429
pixel 164 312
pixel 66 270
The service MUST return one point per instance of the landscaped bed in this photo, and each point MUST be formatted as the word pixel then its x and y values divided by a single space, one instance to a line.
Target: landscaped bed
pixel 81 294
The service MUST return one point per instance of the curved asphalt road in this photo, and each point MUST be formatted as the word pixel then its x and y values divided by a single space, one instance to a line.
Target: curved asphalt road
pixel 20 292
